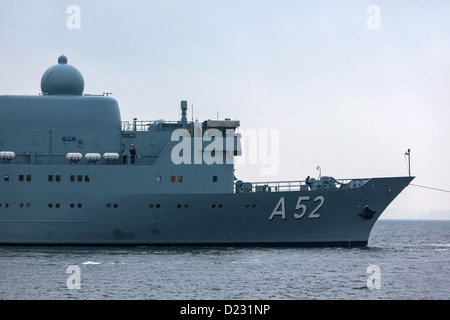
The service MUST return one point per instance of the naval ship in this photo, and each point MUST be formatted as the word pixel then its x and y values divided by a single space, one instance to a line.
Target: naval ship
pixel 73 173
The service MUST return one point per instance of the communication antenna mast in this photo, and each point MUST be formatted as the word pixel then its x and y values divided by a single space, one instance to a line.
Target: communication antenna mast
pixel 408 154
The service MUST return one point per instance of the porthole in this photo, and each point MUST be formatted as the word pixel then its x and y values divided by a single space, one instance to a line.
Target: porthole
pixel 220 206
pixel 158 205
pixel 186 206
pixel 108 205
pixel 179 206
pixel 57 205
pixel 50 205
pixel 213 206
pixel 247 206
pixel 20 205
pixel 150 206
pixel 72 205
pixel 116 205
pixel 28 205
pixel 79 205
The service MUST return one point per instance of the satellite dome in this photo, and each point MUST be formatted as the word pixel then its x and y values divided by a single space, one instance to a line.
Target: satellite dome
pixel 62 78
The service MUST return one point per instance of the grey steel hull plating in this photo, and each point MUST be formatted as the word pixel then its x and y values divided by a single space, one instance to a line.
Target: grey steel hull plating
pixel 258 218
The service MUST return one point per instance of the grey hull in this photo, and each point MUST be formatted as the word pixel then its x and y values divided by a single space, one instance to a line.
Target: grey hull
pixel 299 218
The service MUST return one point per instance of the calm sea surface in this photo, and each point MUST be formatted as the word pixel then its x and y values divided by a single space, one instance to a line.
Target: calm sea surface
pixel 405 260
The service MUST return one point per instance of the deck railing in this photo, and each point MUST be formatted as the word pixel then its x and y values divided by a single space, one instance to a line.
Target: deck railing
pixel 147 125
pixel 325 183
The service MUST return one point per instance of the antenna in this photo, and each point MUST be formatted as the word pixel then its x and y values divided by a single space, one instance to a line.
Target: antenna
pixel 192 113
pixel 408 154
pixel 183 113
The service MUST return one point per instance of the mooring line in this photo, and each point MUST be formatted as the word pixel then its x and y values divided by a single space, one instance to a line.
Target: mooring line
pixel 417 185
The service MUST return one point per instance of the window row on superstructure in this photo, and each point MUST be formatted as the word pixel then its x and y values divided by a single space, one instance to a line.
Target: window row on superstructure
pixel 51 178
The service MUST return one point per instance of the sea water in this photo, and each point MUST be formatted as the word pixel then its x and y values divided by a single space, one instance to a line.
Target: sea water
pixel 405 259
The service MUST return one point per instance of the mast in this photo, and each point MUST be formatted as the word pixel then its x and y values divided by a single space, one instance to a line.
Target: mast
pixel 408 154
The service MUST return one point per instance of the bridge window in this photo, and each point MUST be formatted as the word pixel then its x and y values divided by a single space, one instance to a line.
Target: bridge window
pixel 158 178
pixel 180 178
pixel 6 177
pixel 214 178
pixel 172 179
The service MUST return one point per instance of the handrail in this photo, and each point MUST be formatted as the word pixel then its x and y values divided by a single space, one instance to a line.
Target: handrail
pixel 300 185
pixel 145 125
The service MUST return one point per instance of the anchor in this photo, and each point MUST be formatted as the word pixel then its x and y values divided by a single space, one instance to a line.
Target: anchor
pixel 367 213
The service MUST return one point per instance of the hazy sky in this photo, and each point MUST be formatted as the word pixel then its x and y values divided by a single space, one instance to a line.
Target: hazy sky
pixel 346 85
